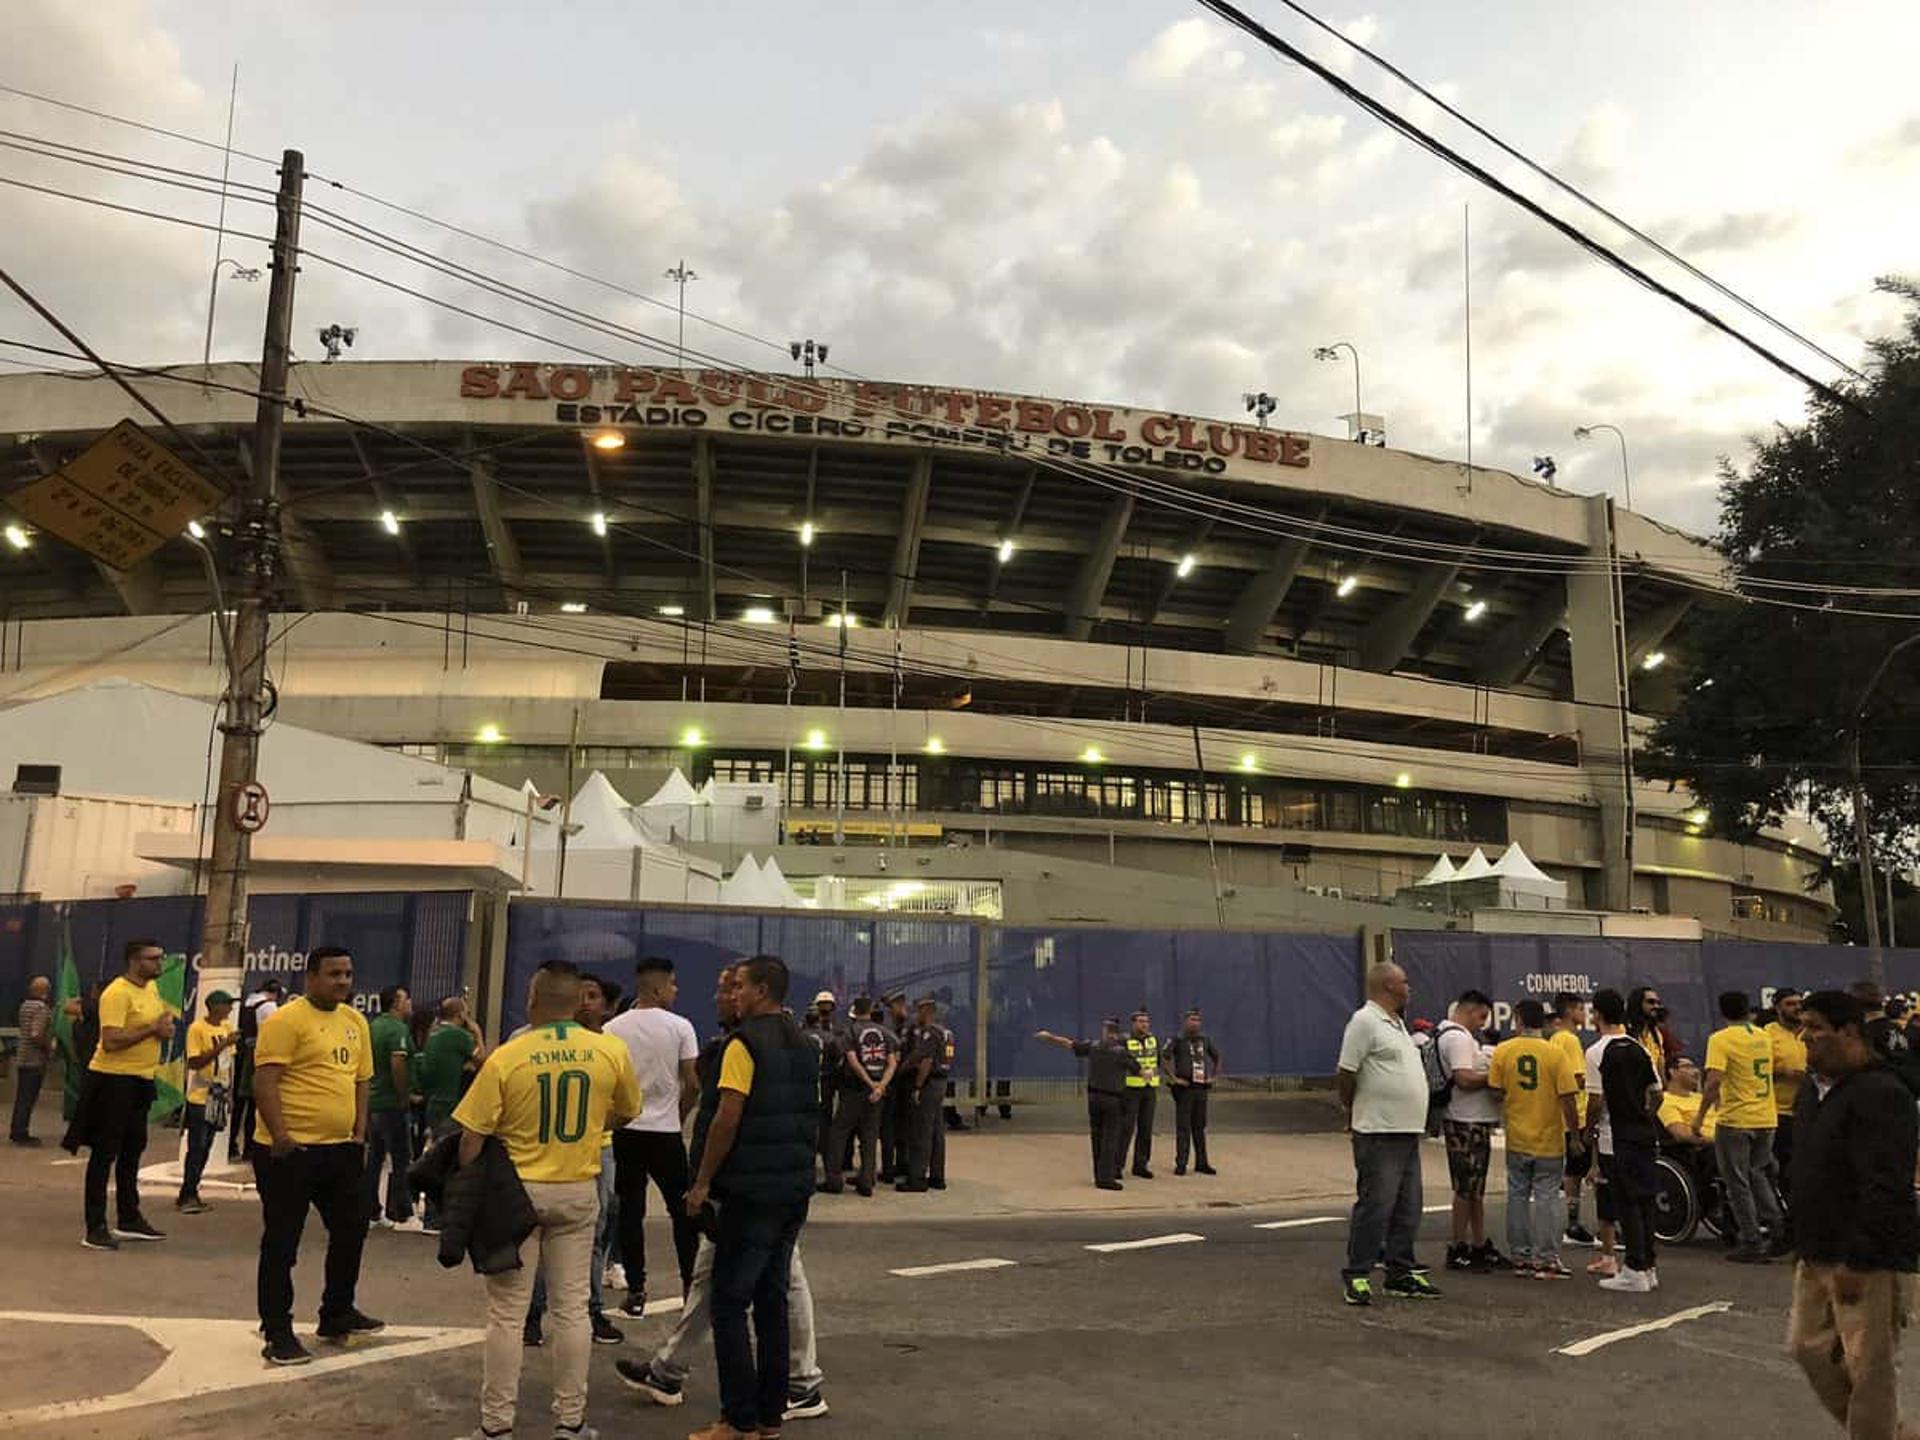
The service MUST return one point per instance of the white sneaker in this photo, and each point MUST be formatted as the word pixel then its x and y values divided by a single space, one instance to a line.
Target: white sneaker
pixel 615 1277
pixel 412 1225
pixel 1633 1282
pixel 380 1222
pixel 1653 1276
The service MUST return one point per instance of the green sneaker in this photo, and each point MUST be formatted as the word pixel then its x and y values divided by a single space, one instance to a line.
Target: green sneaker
pixel 1359 1290
pixel 1414 1285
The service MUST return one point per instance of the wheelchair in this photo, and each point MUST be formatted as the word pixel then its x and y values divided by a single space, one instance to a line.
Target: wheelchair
pixel 1691 1195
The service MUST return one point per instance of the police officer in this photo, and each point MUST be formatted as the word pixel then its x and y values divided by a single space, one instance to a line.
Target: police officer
pixel 925 1069
pixel 1193 1064
pixel 872 1055
pixel 1110 1064
pixel 894 1129
pixel 1142 1092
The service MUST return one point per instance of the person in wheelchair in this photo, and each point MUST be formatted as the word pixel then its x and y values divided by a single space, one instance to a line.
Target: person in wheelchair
pixel 1691 1193
pixel 1680 1105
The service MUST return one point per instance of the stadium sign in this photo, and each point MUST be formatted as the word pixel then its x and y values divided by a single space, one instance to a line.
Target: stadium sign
pixel 860 409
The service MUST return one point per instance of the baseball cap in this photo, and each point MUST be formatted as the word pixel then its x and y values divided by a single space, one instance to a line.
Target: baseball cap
pixel 220 997
pixel 825 997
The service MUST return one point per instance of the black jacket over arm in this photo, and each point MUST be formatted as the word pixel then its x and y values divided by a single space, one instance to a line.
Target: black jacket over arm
pixel 485 1212
pixel 1853 1169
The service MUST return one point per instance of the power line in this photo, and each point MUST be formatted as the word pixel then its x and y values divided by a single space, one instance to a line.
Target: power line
pixel 1238 18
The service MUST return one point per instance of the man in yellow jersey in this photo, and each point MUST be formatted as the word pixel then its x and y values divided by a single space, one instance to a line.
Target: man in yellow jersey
pixel 550 1096
pixel 1740 1085
pixel 1537 1085
pixel 1789 1069
pixel 1680 1106
pixel 210 1041
pixel 1563 1033
pixel 313 1066
pixel 135 1025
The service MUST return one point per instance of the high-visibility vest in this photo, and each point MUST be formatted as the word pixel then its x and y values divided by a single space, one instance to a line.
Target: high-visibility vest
pixel 1147 1052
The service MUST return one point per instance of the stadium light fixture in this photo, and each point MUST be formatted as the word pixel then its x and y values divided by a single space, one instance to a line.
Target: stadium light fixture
pixel 1250 763
pixel 609 440
pixel 935 745
pixel 816 741
pixel 758 615
pixel 1185 567
pixel 489 734
pixel 18 538
pixel 196 530
pixel 599 523
pixel 1092 755
pixel 1476 610
pixel 572 607
pixel 1403 781
pixel 390 522
pixel 1348 584
pixel 692 738
pixel 1654 660
pixel 1260 405
pixel 1698 816
pixel 1006 551
pixel 672 612
pixel 806 534
pixel 837 618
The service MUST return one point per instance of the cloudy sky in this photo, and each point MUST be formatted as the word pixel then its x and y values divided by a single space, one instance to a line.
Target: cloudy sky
pixel 1118 199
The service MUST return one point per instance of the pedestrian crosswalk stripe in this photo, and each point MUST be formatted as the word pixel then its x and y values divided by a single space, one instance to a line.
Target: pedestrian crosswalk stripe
pixel 1295 1224
pixel 1147 1244
pixel 916 1272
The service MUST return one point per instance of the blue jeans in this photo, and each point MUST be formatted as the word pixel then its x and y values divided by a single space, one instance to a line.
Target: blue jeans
pixel 1536 1212
pixel 1386 1206
pixel 27 1081
pixel 1749 1172
pixel 389 1138
pixel 199 1147
pixel 752 1266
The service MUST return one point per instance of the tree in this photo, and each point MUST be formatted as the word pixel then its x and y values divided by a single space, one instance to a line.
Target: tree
pixel 1823 523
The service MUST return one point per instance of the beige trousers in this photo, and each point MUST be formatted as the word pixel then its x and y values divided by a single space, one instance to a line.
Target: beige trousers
pixel 1849 1348
pixel 564 1245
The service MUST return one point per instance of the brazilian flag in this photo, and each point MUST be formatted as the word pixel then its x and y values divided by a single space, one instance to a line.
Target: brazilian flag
pixel 67 991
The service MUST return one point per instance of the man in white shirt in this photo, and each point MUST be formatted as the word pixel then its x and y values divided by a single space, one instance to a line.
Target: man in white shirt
pixel 1383 1086
pixel 1472 1112
pixel 663 1046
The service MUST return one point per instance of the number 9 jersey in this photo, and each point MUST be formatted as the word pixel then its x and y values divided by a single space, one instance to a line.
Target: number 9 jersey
pixel 550 1094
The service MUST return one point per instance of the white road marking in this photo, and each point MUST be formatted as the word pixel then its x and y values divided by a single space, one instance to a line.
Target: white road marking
pixel 673 1305
pixel 205 1357
pixel 915 1272
pixel 1150 1244
pixel 1295 1224
pixel 1679 1317
pixel 1437 1209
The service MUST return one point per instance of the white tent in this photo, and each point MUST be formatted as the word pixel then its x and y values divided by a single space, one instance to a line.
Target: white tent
pixel 1514 864
pixel 775 885
pixel 743 886
pixel 598 817
pixel 674 790
pixel 1440 874
pixel 1523 884
pixel 1476 867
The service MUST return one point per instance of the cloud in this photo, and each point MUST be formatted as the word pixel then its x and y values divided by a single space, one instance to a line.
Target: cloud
pixel 1176 50
pixel 1899 145
pixel 1749 230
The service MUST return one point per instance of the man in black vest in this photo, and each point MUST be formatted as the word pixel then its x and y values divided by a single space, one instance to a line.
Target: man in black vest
pixel 1109 1066
pixel 1193 1064
pixel 866 1069
pixel 895 1126
pixel 923 1066
pixel 756 1161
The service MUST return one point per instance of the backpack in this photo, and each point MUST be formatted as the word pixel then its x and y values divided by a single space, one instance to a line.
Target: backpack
pixel 1439 1077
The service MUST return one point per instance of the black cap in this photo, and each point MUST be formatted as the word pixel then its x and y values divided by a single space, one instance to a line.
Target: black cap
pixel 1113 1020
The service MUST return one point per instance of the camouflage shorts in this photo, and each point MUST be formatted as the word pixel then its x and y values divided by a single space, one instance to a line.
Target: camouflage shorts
pixel 1469 1153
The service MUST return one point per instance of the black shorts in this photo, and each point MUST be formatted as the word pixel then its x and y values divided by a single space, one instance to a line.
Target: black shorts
pixel 1604 1190
pixel 1580 1163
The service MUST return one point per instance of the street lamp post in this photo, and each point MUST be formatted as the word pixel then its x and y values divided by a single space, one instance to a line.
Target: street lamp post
pixel 680 275
pixel 1332 352
pixel 1585 432
pixel 1862 825
pixel 240 272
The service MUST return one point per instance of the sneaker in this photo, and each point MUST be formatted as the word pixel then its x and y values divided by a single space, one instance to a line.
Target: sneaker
pixel 721 1430
pixel 1108 1185
pixel 1140 1172
pixel 1460 1257
pixel 100 1238
pixel 1551 1270
pixel 615 1276
pixel 805 1407
pixel 137 1228
pixel 412 1225
pixel 635 1305
pixel 1359 1290
pixel 1491 1258
pixel 342 1327
pixel 191 1205
pixel 285 1350
pixel 1604 1265
pixel 1205 1170
pixel 1414 1285
pixel 605 1332
pixel 1578 1235
pixel 1629 1282
pixel 638 1375
pixel 1522 1268
pixel 24 1139
pixel 530 1335
pixel 430 1227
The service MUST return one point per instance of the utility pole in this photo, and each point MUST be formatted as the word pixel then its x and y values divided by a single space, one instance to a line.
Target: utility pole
pixel 256 561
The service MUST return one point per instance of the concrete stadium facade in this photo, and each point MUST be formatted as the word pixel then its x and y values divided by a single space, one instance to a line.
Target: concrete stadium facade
pixel 1131 661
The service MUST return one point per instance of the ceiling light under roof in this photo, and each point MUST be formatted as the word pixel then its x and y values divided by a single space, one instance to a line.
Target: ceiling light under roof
pixel 609 440
pixel 673 612
pixel 806 533
pixel 758 615
pixel 1654 660
pixel 390 522
pixel 1006 551
pixel 1476 609
pixel 572 607
pixel 599 523
pixel 17 537
pixel 1347 586
pixel 1185 567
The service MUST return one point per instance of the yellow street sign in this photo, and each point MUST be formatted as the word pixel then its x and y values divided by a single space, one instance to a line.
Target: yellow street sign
pixel 120 499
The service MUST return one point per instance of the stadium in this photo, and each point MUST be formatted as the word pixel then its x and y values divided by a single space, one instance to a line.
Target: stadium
pixel 1039 658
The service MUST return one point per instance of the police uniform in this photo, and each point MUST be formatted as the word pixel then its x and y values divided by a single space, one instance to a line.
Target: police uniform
pixel 922 1103
pixel 872 1047
pixel 1110 1065
pixel 1142 1096
pixel 894 1126
pixel 1194 1062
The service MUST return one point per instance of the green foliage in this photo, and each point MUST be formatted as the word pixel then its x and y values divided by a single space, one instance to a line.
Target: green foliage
pixel 1767 719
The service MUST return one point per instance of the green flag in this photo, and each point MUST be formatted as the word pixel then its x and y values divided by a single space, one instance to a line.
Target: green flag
pixel 170 1081
pixel 66 989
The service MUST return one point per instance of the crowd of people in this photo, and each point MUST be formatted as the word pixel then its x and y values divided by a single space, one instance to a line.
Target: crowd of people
pixel 1810 1112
